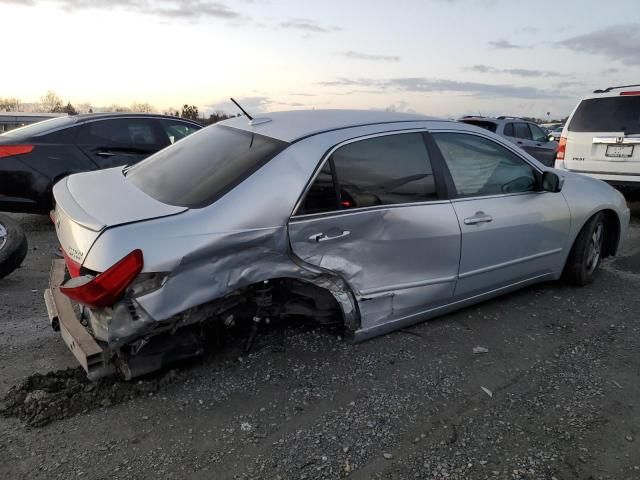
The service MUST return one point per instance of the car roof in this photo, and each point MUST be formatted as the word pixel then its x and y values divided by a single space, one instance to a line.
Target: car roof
pixel 83 117
pixel 298 124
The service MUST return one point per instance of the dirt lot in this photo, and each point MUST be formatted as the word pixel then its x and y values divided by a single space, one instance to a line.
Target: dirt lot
pixel 557 395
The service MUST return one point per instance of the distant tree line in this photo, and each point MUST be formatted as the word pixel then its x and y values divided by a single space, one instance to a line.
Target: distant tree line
pixel 52 103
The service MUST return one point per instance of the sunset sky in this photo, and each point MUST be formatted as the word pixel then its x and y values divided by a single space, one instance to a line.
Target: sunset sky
pixel 438 57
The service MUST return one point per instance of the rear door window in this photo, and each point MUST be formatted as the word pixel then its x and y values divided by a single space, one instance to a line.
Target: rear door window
pixel 195 172
pixel 384 170
pixel 508 130
pixel 491 126
pixel 610 114
pixel 124 133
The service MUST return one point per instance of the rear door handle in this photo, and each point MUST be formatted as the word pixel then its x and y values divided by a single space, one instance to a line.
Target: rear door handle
pixel 321 237
pixel 479 217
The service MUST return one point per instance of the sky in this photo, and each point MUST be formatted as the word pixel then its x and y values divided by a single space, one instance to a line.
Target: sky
pixel 437 57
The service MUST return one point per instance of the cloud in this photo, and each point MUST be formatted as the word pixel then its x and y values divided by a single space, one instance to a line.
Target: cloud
pixel 617 42
pixel 420 85
pixel 303 94
pixel 165 9
pixel 607 71
pixel 519 72
pixel 568 84
pixel 368 56
pixel 503 44
pixel 253 105
pixel 309 26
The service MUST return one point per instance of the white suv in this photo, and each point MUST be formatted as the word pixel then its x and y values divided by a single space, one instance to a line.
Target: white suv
pixel 602 138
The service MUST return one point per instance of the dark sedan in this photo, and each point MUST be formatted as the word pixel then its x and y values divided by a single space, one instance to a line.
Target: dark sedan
pixel 35 157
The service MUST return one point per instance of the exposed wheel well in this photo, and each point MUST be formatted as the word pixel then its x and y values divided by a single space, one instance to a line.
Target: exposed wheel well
pixel 612 233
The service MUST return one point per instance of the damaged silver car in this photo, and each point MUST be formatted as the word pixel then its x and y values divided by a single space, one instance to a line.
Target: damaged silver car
pixel 376 219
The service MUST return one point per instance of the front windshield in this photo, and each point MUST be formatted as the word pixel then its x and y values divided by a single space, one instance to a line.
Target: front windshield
pixel 39 128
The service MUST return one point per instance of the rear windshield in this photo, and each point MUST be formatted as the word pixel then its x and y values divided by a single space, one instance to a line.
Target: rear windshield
pixel 482 124
pixel 611 114
pixel 41 127
pixel 199 169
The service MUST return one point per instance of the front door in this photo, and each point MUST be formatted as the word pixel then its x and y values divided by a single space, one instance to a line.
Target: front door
pixel 120 141
pixel 511 231
pixel 374 216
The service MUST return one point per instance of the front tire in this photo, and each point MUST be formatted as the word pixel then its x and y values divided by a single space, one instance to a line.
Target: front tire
pixel 586 253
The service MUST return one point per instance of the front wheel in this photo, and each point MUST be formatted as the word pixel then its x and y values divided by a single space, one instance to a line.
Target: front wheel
pixel 586 253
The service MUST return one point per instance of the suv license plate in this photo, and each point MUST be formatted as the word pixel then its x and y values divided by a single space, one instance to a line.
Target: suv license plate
pixel 619 151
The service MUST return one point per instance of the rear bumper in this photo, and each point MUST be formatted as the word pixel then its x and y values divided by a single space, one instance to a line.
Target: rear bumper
pixel 622 179
pixel 63 317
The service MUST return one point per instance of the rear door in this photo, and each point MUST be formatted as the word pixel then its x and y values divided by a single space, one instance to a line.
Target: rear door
pixel 511 231
pixel 120 141
pixel 540 147
pixel 603 136
pixel 375 214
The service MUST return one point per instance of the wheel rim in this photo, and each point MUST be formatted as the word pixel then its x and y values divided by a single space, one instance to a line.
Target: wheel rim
pixel 3 236
pixel 595 248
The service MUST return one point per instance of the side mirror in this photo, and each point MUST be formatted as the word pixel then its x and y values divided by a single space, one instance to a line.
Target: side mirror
pixel 551 182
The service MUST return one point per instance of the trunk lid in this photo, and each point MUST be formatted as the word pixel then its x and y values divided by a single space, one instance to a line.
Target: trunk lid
pixel 603 152
pixel 88 203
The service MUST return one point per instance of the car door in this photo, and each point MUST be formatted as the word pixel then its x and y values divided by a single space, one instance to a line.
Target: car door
pixel 511 231
pixel 541 148
pixel 376 215
pixel 112 142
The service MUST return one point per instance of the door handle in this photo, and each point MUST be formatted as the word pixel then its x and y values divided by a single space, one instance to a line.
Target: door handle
pixel 321 237
pixel 519 142
pixel 479 217
pixel 105 154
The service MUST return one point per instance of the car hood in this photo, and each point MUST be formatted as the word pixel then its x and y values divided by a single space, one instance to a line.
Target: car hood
pixel 104 198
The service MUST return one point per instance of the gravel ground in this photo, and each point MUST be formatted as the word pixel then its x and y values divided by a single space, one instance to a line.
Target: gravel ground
pixel 555 393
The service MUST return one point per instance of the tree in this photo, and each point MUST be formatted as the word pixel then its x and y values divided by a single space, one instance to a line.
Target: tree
pixel 10 104
pixel 217 116
pixel 142 107
pixel 190 112
pixel 84 107
pixel 69 110
pixel 51 102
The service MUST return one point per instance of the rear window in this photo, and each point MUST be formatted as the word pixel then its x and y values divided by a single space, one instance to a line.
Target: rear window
pixel 198 170
pixel 611 114
pixel 482 124
pixel 41 127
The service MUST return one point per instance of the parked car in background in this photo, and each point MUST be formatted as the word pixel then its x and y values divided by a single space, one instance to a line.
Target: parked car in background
pixel 527 135
pixel 556 133
pixel 371 220
pixel 602 138
pixel 33 158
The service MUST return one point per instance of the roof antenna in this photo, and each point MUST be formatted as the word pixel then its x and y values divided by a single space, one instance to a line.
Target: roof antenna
pixel 242 109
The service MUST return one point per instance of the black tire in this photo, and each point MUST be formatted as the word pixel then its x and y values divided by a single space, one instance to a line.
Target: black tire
pixel 586 253
pixel 13 245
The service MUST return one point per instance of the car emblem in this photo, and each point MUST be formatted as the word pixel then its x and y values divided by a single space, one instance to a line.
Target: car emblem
pixel 619 139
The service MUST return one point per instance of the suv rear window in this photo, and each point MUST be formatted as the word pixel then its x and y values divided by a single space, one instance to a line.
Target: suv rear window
pixel 198 170
pixel 482 124
pixel 610 114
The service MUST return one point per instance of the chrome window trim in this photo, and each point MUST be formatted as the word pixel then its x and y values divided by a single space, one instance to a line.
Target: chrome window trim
pixel 327 156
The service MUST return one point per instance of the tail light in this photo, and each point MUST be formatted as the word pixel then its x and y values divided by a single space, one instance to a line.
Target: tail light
pixel 562 146
pixel 11 150
pixel 630 93
pixel 104 289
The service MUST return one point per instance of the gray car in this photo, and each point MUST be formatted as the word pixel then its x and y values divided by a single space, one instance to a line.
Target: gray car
pixel 527 135
pixel 374 220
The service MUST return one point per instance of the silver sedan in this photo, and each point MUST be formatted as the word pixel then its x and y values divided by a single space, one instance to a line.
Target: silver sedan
pixel 372 219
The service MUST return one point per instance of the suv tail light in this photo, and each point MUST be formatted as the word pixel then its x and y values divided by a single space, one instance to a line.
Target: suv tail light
pixel 104 289
pixel 11 150
pixel 562 146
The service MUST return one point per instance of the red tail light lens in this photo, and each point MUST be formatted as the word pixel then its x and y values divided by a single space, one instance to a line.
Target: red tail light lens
pixel 634 92
pixel 11 150
pixel 562 146
pixel 106 288
pixel 73 266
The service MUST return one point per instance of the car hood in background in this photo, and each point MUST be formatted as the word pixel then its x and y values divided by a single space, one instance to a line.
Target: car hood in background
pixel 101 199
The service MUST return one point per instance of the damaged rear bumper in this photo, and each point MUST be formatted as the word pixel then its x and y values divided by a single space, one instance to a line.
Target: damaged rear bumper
pixel 63 317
